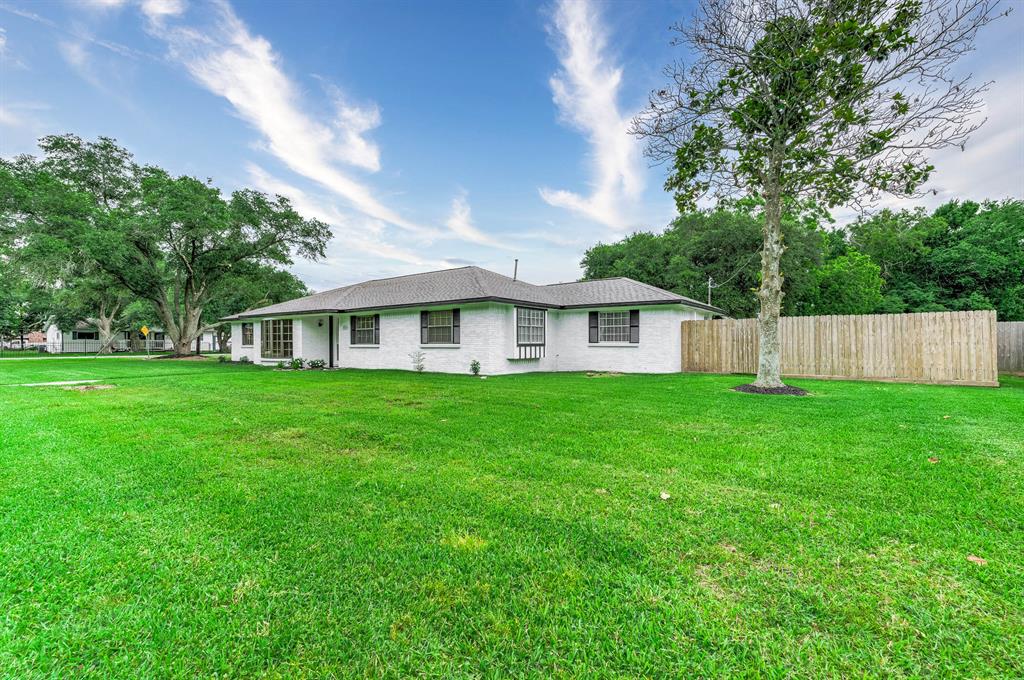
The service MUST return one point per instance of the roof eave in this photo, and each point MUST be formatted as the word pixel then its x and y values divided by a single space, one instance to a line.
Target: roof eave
pixel 510 301
pixel 684 303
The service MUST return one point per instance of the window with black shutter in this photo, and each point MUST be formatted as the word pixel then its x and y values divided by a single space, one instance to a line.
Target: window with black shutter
pixel 440 327
pixel 365 330
pixel 618 326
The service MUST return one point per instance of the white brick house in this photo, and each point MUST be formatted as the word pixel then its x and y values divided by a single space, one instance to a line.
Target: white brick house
pixel 456 316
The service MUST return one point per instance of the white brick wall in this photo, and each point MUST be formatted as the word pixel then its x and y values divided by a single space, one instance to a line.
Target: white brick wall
pixel 481 337
pixel 488 334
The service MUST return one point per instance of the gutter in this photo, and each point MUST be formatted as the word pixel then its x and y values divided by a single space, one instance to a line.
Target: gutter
pixel 311 312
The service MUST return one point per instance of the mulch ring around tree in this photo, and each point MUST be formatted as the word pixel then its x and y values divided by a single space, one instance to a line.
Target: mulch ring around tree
pixel 785 389
pixel 184 357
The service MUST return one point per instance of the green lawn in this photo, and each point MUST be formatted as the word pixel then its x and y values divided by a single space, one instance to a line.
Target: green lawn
pixel 205 519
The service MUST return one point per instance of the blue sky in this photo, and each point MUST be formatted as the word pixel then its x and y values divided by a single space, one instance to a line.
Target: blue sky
pixel 428 134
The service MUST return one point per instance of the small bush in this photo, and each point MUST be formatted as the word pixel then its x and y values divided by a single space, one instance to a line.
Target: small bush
pixel 296 363
pixel 316 364
pixel 222 359
pixel 280 364
pixel 418 359
pixel 244 360
pixel 474 367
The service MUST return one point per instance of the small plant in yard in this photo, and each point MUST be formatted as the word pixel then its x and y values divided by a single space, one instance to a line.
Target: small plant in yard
pixel 474 367
pixel 418 359
pixel 244 360
pixel 222 359
pixel 296 363
pixel 281 365
pixel 316 364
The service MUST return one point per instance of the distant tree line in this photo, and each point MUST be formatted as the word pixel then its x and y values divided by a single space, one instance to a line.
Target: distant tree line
pixel 962 256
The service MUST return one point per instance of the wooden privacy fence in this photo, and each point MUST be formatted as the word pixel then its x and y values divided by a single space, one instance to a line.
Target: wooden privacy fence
pixel 1011 347
pixel 956 348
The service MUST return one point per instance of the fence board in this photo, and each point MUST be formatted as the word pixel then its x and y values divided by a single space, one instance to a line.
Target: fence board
pixel 1011 347
pixel 957 348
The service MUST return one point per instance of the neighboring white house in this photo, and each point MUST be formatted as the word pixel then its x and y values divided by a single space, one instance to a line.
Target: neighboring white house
pixel 456 316
pixel 85 338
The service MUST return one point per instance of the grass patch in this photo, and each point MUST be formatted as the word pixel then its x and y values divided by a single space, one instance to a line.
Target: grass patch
pixel 359 523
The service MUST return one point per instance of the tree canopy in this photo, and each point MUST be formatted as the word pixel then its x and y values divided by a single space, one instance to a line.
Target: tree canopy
pixel 815 103
pixel 722 244
pixel 961 256
pixel 171 241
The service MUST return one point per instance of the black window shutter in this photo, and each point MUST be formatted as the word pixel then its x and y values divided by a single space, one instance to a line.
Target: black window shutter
pixel 423 328
pixel 593 327
pixel 455 326
pixel 634 325
pixel 376 329
pixel 352 329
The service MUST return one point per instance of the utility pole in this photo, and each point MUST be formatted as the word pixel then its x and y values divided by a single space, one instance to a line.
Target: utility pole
pixel 710 281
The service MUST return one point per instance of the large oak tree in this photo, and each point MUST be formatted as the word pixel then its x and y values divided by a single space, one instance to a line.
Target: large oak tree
pixel 812 102
pixel 172 241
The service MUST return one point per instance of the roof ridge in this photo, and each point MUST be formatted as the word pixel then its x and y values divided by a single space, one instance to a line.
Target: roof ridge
pixel 481 288
pixel 603 278
pixel 682 297
pixel 647 285
pixel 403 276
pixel 513 280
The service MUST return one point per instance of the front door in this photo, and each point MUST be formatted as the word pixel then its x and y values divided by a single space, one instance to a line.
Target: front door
pixel 330 341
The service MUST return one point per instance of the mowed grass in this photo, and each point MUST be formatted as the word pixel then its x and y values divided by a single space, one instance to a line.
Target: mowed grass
pixel 204 519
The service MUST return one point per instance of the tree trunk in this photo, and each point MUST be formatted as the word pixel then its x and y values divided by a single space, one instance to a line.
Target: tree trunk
pixel 182 331
pixel 104 324
pixel 769 364
pixel 222 339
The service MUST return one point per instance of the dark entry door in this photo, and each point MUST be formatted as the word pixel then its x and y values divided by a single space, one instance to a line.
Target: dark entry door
pixel 330 341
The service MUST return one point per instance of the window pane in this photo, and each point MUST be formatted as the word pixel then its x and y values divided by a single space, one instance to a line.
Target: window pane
pixel 363 326
pixel 530 326
pixel 613 326
pixel 442 318
pixel 439 327
pixel 276 339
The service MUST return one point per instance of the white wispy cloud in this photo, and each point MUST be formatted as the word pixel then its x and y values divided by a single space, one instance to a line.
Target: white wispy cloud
pixel 231 62
pixel 586 92
pixel 351 234
pixel 988 167
pixel 77 56
pixel 552 237
pixel 9 118
pixel 156 9
pixel 460 223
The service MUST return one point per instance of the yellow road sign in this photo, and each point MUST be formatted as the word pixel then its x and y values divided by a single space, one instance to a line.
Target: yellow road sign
pixel 145 331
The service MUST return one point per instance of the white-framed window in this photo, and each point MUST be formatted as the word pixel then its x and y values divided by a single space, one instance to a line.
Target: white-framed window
pixel 529 326
pixel 85 335
pixel 247 335
pixel 613 326
pixel 440 327
pixel 364 330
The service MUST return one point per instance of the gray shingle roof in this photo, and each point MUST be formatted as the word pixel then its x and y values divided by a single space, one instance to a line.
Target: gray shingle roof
pixel 473 284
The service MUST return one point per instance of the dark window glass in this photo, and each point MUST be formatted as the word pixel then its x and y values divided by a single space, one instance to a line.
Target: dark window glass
pixel 276 339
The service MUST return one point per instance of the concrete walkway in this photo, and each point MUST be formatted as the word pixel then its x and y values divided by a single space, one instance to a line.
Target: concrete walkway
pixel 59 383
